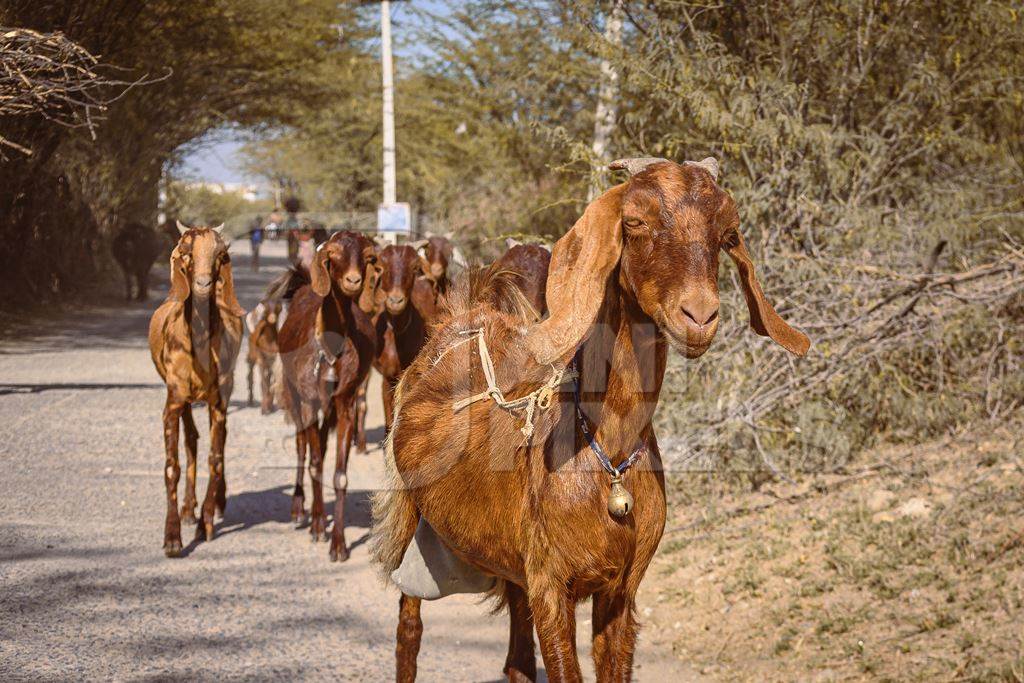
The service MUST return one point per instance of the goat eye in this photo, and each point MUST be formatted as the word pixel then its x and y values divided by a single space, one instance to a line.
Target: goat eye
pixel 632 223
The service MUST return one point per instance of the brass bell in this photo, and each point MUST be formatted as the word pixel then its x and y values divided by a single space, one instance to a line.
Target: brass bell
pixel 620 501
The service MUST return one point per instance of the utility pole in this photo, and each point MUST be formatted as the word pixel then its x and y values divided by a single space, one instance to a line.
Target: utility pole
pixel 608 92
pixel 389 107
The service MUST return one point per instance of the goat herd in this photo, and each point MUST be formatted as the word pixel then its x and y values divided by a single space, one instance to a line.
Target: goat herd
pixel 518 400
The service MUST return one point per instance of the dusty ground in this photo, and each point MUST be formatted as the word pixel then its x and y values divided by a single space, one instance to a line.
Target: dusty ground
pixel 909 566
pixel 85 591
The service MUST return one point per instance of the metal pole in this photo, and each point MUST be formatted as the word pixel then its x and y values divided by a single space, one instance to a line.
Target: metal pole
pixel 389 106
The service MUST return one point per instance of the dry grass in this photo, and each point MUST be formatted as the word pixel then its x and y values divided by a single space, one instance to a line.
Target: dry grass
pixel 908 568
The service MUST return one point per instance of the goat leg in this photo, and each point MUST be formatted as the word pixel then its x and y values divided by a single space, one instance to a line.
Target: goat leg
pixel 360 417
pixel 614 638
pixel 298 497
pixel 143 281
pixel 317 518
pixel 345 418
pixel 172 471
pixel 266 390
pixel 410 631
pixel 218 435
pixel 555 617
pixel 252 364
pixel 387 391
pixel 521 662
pixel 188 508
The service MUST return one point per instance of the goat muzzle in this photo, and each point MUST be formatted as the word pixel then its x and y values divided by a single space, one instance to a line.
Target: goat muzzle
pixel 396 303
pixel 351 284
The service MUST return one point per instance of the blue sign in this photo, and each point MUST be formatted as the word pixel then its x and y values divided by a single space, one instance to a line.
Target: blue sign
pixel 394 218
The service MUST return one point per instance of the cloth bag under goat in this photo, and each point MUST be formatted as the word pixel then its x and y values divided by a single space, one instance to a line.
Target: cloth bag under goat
pixel 429 570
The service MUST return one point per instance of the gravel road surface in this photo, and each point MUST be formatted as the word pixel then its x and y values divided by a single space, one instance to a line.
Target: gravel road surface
pixel 85 591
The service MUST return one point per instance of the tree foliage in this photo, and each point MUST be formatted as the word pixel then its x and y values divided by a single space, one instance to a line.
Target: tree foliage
pixel 206 63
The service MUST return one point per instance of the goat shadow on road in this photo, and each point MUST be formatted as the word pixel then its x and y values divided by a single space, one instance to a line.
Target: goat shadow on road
pixel 252 508
pixel 64 386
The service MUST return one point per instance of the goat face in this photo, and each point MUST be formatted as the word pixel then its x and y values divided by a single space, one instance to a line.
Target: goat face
pixel 401 265
pixel 345 263
pixel 662 231
pixel 674 220
pixel 203 253
pixel 200 265
pixel 438 252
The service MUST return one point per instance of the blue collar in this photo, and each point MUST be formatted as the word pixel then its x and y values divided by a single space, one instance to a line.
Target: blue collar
pixel 581 419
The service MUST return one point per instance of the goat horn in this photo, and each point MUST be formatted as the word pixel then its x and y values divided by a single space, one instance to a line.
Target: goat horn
pixel 218 228
pixel 182 228
pixel 709 164
pixel 635 165
pixel 419 244
pixel 511 242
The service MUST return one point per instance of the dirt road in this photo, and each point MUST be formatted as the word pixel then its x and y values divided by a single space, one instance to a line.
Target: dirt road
pixel 85 591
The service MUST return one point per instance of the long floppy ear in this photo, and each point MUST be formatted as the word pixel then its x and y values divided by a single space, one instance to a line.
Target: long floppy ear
pixel 458 258
pixel 319 278
pixel 763 318
pixel 226 300
pixel 424 269
pixel 581 264
pixel 180 290
pixel 371 278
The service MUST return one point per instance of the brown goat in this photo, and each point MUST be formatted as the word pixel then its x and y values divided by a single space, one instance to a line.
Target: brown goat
pixel 262 324
pixel 529 263
pixel 327 344
pixel 194 337
pixel 408 296
pixel 439 253
pixel 636 274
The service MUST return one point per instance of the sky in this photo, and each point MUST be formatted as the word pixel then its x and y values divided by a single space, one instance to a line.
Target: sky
pixel 216 158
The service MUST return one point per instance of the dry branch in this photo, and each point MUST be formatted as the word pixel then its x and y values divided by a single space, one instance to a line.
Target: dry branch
pixel 53 77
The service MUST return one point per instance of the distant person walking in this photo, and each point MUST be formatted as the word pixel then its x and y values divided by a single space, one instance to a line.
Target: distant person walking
pixel 255 241
pixel 273 226
pixel 305 248
pixel 291 230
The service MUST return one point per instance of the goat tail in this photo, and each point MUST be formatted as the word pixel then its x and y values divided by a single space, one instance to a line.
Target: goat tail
pixel 394 513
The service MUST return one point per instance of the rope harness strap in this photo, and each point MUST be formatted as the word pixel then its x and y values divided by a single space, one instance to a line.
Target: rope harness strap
pixel 620 501
pixel 538 399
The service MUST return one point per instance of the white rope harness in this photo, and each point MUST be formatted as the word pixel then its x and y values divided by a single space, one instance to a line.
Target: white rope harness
pixel 538 399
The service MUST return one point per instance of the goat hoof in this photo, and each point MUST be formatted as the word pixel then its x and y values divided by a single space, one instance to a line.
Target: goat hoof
pixel 204 531
pixel 339 552
pixel 318 529
pixel 172 548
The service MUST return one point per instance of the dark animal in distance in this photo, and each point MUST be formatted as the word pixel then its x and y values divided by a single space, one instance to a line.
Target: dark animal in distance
pixel 326 345
pixel 194 337
pixel 636 275
pixel 135 248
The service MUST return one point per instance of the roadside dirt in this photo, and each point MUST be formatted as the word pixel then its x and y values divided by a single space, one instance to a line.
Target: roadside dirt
pixel 910 566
